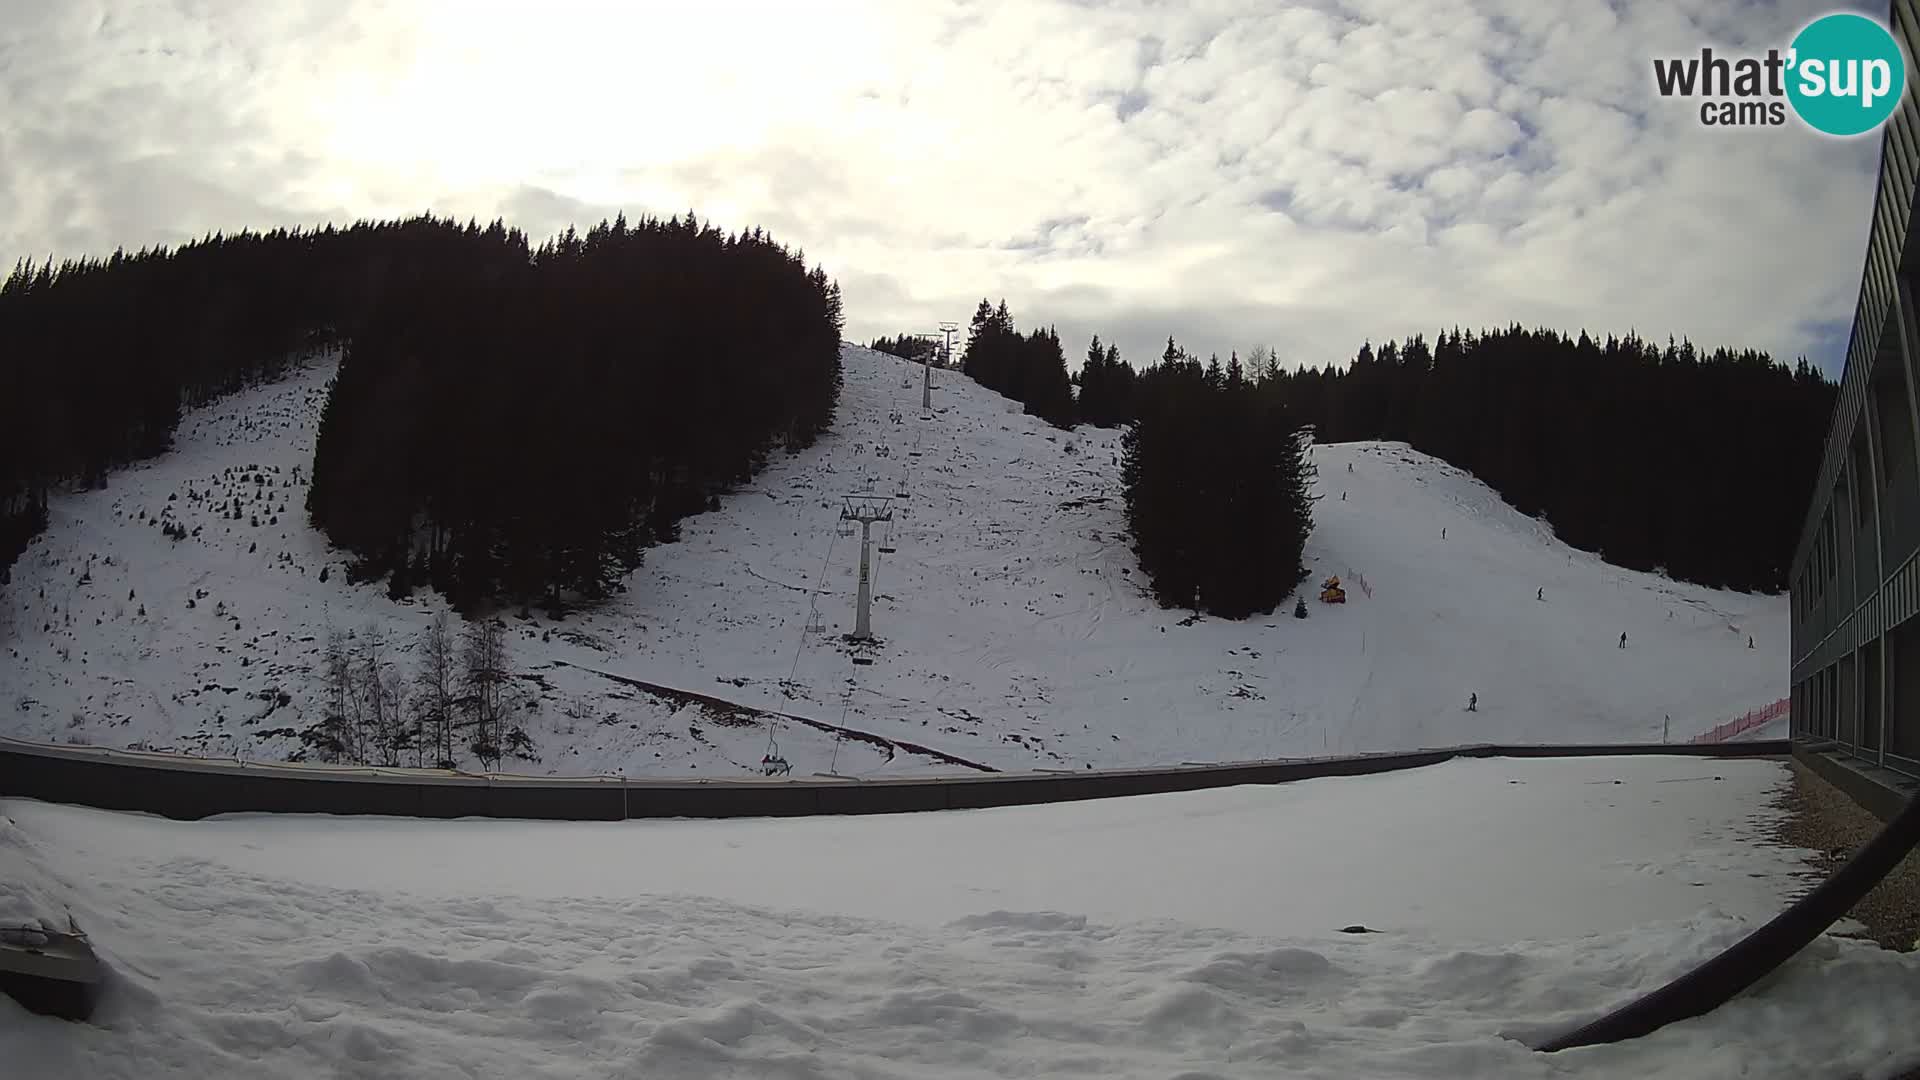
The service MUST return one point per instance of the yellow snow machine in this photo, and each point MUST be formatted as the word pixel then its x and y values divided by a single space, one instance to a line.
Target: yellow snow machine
pixel 1332 593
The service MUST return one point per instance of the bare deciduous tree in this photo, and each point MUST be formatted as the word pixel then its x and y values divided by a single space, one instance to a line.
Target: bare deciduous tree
pixel 435 689
pixel 380 740
pixel 339 724
pixel 483 671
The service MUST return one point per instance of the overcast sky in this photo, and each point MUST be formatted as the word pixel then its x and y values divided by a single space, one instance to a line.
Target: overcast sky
pixel 1230 172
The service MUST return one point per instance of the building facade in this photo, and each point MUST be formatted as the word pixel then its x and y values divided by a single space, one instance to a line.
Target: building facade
pixel 1855 578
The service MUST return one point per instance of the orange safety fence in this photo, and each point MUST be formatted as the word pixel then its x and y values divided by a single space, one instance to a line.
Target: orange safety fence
pixel 1745 722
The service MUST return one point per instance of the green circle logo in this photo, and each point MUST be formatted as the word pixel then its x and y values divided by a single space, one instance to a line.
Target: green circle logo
pixel 1845 74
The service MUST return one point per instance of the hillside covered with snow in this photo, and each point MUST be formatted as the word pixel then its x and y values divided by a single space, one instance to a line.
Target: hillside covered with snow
pixel 1014 628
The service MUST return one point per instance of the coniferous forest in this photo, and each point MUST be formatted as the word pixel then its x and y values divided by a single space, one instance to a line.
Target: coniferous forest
pixel 1217 484
pixel 507 422
pixel 525 430
pixel 909 347
pixel 1106 385
pixel 1029 368
pixel 1697 463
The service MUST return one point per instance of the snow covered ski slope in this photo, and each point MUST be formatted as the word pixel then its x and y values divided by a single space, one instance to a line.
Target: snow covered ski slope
pixel 1015 629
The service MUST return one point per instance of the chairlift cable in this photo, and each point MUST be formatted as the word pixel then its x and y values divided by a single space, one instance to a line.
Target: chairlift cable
pixel 813 605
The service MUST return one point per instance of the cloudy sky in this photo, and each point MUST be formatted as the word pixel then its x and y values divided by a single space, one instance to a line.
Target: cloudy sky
pixel 1231 172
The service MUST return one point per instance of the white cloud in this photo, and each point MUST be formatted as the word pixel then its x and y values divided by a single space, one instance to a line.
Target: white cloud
pixel 1230 172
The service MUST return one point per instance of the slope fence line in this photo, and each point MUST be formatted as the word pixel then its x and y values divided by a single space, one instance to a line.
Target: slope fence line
pixel 1743 723
pixel 193 788
pixel 725 707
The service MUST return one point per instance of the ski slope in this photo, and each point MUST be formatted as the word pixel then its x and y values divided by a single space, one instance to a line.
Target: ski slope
pixel 1015 630
pixel 1508 900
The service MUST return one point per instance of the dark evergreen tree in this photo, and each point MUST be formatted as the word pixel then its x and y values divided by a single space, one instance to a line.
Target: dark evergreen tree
pixel 1106 387
pixel 1216 480
pixel 1047 392
pixel 909 347
pixel 1030 368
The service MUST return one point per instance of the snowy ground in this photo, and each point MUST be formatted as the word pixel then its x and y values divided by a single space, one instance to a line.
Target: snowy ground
pixel 1016 633
pixel 1512 898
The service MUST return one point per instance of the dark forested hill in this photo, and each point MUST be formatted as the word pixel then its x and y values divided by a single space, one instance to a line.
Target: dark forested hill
pixel 1669 458
pixel 508 421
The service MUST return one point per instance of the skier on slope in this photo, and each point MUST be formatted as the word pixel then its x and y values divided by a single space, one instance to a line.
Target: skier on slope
pixel 1473 702
pixel 1623 639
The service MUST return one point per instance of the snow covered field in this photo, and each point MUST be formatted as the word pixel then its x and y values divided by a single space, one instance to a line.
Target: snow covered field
pixel 1190 935
pixel 1015 627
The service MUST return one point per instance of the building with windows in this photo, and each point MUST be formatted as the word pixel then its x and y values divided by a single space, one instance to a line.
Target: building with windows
pixel 1855 576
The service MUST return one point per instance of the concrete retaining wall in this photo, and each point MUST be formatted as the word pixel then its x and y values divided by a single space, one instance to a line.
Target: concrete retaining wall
pixel 190 788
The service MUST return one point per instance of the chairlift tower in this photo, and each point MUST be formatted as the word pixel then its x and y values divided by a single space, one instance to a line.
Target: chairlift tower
pixel 866 510
pixel 946 360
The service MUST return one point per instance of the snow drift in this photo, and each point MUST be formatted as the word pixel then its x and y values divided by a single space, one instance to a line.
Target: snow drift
pixel 1508 899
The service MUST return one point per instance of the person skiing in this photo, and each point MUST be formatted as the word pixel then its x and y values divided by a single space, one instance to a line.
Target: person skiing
pixel 1443 534
pixel 1623 639
pixel 1540 593
pixel 1473 702
pixel 1749 641
pixel 1349 466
